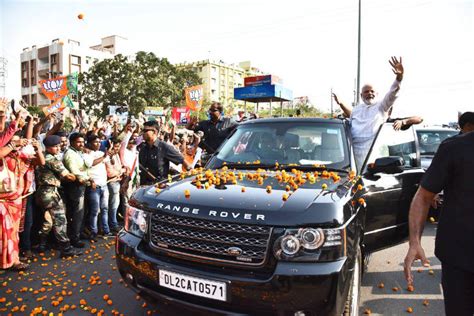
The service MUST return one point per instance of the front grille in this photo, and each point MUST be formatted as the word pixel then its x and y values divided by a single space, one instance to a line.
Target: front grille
pixel 210 240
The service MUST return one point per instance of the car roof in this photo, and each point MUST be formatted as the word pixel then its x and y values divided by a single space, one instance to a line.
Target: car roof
pixel 436 129
pixel 276 120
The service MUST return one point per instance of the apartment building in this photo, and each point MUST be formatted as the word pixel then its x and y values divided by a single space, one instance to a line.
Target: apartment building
pixel 60 58
pixel 219 79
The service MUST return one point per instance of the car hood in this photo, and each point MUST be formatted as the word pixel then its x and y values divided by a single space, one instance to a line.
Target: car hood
pixel 309 204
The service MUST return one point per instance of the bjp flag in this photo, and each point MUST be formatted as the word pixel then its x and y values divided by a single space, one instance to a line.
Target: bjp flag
pixel 194 97
pixel 58 105
pixel 54 88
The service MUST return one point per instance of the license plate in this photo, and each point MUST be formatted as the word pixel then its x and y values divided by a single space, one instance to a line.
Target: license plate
pixel 192 285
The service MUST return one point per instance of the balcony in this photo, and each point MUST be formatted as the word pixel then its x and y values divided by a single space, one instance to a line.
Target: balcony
pixel 43 66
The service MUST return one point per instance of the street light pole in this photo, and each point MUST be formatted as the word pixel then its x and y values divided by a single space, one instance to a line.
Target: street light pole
pixel 358 54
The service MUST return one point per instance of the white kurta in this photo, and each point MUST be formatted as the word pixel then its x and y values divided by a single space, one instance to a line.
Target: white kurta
pixel 366 120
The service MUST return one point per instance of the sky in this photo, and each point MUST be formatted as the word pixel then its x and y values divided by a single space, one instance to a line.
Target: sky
pixel 311 45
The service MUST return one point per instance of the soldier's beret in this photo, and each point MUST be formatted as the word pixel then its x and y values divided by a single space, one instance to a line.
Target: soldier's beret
pixel 52 140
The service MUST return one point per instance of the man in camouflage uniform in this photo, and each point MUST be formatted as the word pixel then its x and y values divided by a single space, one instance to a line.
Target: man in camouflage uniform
pixel 47 196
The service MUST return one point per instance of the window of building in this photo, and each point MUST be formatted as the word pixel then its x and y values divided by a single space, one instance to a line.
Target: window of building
pixel 54 64
pixel 34 100
pixel 54 59
pixel 26 98
pixel 33 72
pixel 74 63
pixel 24 74
pixel 213 81
pixel 213 70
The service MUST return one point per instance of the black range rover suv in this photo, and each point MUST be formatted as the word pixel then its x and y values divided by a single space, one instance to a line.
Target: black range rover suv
pixel 278 223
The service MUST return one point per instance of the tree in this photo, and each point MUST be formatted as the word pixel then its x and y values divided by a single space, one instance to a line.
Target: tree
pixel 144 81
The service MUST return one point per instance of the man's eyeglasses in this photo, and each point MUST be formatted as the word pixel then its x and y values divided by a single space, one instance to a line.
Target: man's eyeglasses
pixel 213 110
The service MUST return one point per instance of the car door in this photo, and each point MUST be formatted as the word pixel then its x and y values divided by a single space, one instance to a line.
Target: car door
pixel 388 196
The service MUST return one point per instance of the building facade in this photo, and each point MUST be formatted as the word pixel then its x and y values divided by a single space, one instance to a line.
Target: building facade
pixel 60 58
pixel 219 79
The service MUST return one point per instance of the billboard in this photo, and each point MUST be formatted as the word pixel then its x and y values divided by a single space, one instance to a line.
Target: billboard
pixel 180 115
pixel 253 93
pixel 261 80
pixel 154 110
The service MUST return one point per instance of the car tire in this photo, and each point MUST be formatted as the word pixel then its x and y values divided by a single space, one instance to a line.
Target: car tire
pixel 351 307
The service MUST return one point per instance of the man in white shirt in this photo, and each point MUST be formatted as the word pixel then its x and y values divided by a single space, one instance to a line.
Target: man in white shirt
pixel 129 158
pixel 98 195
pixel 367 116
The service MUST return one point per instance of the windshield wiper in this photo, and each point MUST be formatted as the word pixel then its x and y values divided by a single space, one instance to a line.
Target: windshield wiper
pixel 244 165
pixel 312 167
pixel 281 167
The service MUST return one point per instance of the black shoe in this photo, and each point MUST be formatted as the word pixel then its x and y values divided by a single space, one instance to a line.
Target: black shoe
pixel 70 252
pixel 43 244
pixel 108 235
pixel 93 237
pixel 115 230
pixel 78 243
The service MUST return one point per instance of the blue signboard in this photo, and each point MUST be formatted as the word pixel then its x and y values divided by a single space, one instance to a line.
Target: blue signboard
pixel 263 92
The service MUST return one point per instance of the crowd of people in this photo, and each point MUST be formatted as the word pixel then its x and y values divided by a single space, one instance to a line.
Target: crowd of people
pixel 77 183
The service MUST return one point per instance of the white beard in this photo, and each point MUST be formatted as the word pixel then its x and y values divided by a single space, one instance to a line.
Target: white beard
pixel 369 101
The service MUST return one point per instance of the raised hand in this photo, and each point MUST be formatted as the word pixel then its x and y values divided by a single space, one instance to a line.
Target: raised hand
pixel 35 143
pixel 397 67
pixel 335 98
pixel 3 104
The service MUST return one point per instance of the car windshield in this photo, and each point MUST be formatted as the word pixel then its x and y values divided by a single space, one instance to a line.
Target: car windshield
pixel 295 143
pixel 431 139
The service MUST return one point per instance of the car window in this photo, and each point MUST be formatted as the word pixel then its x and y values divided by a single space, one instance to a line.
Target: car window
pixel 394 143
pixel 287 143
pixel 430 140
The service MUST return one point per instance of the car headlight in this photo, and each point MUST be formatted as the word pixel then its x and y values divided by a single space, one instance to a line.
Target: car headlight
pixel 310 244
pixel 136 221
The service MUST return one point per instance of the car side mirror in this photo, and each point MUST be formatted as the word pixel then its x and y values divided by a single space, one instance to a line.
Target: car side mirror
pixel 390 165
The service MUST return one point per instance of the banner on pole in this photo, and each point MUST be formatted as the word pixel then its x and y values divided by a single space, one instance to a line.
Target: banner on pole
pixel 194 97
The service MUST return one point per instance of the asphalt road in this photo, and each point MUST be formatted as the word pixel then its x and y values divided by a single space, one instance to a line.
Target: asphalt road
pixel 90 283
pixel 386 267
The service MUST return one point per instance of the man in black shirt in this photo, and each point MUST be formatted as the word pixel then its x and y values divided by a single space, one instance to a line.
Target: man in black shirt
pixel 215 130
pixel 452 170
pixel 155 156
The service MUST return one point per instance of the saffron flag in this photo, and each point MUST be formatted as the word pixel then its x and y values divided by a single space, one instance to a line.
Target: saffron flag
pixel 58 105
pixel 59 87
pixel 194 97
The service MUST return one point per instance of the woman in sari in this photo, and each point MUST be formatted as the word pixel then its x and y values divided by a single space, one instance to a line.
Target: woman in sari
pixel 11 201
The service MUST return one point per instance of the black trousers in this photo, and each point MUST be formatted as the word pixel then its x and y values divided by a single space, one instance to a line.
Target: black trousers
pixel 74 193
pixel 458 288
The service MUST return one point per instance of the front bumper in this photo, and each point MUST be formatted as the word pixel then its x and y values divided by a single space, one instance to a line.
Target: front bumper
pixel 314 288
